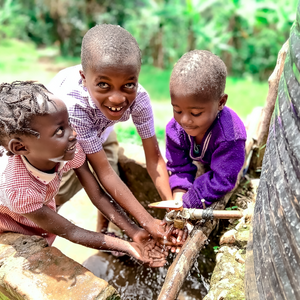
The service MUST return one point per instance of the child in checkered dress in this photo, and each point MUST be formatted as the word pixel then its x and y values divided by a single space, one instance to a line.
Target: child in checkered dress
pixel 41 146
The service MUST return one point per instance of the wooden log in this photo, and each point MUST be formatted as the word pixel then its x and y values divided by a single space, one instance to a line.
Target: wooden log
pixel 187 256
pixel 263 130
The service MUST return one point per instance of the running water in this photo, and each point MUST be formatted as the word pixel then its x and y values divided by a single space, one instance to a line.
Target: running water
pixel 136 282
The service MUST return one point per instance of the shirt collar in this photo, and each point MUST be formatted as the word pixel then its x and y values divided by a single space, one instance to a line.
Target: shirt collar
pixel 39 175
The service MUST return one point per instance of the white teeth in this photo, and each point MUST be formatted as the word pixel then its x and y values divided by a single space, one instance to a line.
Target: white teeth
pixel 115 108
pixel 71 148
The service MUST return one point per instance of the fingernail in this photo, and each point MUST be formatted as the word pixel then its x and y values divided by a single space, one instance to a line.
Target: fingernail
pixel 177 250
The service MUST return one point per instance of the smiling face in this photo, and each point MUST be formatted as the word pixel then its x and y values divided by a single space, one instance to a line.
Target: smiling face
pixel 57 141
pixel 195 113
pixel 112 87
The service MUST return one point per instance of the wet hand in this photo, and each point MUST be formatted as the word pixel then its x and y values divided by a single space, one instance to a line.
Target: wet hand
pixel 149 254
pixel 175 235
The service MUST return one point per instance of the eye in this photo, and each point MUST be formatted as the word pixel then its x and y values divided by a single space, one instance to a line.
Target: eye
pixel 130 85
pixel 60 132
pixel 177 112
pixel 103 85
pixel 196 115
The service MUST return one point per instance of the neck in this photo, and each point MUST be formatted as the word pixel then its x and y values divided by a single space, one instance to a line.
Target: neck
pixel 46 167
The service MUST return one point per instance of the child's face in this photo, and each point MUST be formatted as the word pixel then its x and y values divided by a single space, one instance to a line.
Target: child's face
pixel 195 113
pixel 57 141
pixel 112 87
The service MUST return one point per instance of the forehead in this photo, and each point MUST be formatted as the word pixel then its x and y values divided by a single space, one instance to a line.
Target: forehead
pixel 192 100
pixel 106 62
pixel 57 112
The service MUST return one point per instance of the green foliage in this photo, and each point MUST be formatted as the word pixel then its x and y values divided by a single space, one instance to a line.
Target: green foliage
pixel 246 34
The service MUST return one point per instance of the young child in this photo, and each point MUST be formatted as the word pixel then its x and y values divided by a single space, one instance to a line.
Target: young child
pixel 99 93
pixel 36 133
pixel 203 130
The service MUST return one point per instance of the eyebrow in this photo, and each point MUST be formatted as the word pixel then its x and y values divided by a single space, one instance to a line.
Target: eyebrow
pixel 107 78
pixel 194 107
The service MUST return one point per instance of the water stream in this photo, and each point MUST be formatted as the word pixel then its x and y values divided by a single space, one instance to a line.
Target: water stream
pixel 136 282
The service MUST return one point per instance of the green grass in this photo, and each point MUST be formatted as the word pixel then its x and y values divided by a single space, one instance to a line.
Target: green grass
pixel 22 61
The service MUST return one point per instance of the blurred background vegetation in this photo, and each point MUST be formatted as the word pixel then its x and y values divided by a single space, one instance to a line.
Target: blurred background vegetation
pixel 40 37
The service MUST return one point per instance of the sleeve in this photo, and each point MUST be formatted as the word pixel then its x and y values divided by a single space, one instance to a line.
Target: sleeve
pixel 87 133
pixel 142 114
pixel 23 201
pixel 226 163
pixel 179 164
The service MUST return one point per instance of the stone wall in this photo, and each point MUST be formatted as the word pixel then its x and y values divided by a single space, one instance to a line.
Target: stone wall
pixel 29 269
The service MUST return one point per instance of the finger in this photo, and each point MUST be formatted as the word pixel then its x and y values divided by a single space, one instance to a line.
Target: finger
pixel 169 232
pixel 156 263
pixel 163 222
pixel 185 234
pixel 180 234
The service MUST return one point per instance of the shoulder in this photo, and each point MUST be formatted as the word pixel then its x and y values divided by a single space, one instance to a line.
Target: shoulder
pixel 142 98
pixel 175 132
pixel 231 126
pixel 13 173
pixel 67 85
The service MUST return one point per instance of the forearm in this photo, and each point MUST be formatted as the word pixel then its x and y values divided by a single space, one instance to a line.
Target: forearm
pixel 54 223
pixel 110 209
pixel 160 177
pixel 118 190
pixel 178 193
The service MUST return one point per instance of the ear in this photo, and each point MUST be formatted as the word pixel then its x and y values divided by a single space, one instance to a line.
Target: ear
pixel 17 147
pixel 82 77
pixel 222 101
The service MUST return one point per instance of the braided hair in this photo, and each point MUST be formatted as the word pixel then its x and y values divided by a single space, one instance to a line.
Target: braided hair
pixel 20 101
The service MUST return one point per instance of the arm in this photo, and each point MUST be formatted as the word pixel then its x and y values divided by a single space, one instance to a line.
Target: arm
pixel 226 163
pixel 52 222
pixel 105 204
pixel 156 167
pixel 178 193
pixel 179 164
pixel 120 192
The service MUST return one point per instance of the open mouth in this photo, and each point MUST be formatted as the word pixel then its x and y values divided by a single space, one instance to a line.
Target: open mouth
pixel 115 108
pixel 72 147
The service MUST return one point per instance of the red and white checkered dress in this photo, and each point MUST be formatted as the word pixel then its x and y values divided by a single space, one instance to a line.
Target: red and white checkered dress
pixel 24 189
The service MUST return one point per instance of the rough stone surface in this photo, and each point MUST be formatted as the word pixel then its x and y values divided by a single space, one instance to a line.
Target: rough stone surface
pixel 227 282
pixel 31 270
pixel 228 237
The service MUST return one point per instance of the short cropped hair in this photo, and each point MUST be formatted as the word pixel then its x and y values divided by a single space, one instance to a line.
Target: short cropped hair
pixel 20 101
pixel 197 71
pixel 109 40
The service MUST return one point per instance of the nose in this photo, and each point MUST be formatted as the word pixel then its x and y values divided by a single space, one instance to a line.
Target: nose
pixel 116 98
pixel 73 135
pixel 186 120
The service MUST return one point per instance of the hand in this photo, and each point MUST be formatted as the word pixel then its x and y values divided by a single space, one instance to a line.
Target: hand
pixel 148 254
pixel 144 239
pixel 177 236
